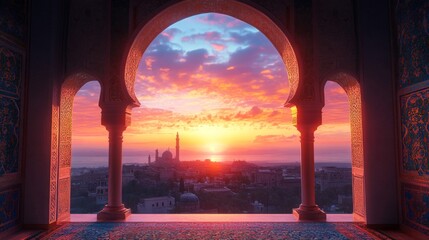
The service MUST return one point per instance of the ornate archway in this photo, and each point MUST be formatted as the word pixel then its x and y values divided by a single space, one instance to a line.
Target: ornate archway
pixel 153 27
pixel 150 29
pixel 69 89
pixel 352 88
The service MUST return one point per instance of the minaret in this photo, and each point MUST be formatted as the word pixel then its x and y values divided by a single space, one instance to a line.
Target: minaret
pixel 177 147
pixel 148 160
pixel 156 155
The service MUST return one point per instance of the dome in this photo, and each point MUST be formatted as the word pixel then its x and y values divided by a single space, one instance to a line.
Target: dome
pixel 189 197
pixel 167 155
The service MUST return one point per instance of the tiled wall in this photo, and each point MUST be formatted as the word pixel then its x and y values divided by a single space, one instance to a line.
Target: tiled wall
pixel 412 20
pixel 13 31
pixel 412 32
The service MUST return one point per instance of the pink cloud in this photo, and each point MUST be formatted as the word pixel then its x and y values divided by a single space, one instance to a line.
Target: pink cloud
pixel 336 108
pixel 170 33
pixel 218 47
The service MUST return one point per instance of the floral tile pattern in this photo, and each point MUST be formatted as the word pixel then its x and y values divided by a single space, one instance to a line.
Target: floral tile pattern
pixel 412 17
pixel 415 132
pixel 416 207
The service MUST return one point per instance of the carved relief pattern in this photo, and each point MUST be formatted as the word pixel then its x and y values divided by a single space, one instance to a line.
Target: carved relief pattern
pixel 415 133
pixel 415 210
pixel 11 69
pixel 13 34
pixel 9 211
pixel 66 108
pixel 352 89
pixel 189 8
pixel 412 38
pixel 68 90
pixel 358 196
pixel 356 125
pixel 64 197
pixel 54 166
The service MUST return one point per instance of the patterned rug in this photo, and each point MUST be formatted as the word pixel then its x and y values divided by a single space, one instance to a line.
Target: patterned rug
pixel 227 230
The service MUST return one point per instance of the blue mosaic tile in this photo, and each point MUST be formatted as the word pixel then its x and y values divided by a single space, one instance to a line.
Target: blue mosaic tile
pixel 412 18
pixel 9 135
pixel 415 201
pixel 10 104
pixel 13 18
pixel 10 71
pixel 415 132
pixel 9 210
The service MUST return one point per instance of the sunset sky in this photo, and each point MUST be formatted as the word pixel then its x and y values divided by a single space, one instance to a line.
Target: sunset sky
pixel 221 84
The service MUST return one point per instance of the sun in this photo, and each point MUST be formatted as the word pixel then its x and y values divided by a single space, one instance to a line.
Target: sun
pixel 214 148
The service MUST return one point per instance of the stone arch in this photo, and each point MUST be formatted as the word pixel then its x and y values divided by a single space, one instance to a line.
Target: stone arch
pixel 69 88
pixel 150 29
pixel 351 86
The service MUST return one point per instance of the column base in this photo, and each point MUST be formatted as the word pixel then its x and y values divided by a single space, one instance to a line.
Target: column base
pixel 313 213
pixel 109 213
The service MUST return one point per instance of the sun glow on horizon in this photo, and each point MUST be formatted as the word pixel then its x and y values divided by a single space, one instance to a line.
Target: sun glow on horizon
pixel 221 84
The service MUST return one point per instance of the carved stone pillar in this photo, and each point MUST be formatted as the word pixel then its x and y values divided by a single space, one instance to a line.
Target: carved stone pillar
pixel 116 120
pixel 307 123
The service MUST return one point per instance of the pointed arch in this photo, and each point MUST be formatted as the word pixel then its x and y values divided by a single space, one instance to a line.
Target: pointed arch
pixel 69 88
pixel 351 86
pixel 149 30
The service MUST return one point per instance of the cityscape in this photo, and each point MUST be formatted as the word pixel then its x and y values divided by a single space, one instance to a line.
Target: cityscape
pixel 166 184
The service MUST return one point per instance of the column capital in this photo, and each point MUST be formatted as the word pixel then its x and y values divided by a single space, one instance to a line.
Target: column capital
pixel 117 116
pixel 308 118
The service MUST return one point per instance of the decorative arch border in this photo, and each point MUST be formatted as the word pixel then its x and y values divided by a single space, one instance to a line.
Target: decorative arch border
pixel 150 29
pixel 351 86
pixel 69 88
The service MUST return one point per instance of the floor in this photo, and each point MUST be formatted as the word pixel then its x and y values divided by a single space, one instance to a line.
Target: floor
pixel 213 226
pixel 213 230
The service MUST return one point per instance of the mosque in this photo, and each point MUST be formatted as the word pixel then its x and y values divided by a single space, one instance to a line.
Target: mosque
pixel 167 160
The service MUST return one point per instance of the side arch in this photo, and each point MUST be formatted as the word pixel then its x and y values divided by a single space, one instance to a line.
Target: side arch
pixel 351 86
pixel 69 88
pixel 150 29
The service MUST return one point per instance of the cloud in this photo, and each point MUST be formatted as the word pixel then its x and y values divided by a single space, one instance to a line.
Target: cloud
pixel 170 33
pixel 218 47
pixel 275 138
pixel 255 111
pixel 226 77
pixel 336 108
pixel 206 36
pixel 220 20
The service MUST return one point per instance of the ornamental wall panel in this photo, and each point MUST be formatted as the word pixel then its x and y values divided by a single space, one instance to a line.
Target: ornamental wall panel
pixel 412 37
pixel 13 37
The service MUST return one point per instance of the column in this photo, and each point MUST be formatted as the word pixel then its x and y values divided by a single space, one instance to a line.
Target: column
pixel 308 209
pixel 114 209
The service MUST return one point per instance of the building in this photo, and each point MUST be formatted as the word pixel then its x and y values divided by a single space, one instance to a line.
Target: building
pixel 189 203
pixel 128 175
pixel 375 50
pixel 258 207
pixel 333 177
pixel 163 204
pixel 166 159
pixel 101 195
pixel 268 177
